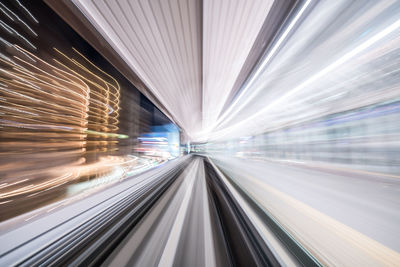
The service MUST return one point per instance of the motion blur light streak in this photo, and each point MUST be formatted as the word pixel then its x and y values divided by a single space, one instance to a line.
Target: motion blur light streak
pixel 63 119
pixel 59 119
pixel 265 61
pixel 103 106
pixel 223 54
pixel 199 133
pixel 281 99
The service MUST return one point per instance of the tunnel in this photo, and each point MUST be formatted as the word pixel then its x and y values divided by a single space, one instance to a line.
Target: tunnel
pixel 199 133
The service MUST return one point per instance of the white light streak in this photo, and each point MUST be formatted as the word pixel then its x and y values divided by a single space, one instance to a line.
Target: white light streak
pixel 6 27
pixel 5 12
pixel 5 42
pixel 18 18
pixel 233 110
pixel 13 31
pixel 8 11
pixel 354 52
pixel 27 11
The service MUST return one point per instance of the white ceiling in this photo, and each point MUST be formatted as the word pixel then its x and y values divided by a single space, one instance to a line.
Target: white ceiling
pixel 188 52
pixel 230 29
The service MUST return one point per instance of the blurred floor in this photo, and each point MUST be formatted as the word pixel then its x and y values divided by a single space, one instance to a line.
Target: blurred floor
pixel 314 204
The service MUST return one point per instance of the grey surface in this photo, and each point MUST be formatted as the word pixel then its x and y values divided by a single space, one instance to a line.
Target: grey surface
pixel 369 204
pixel 17 243
pixel 174 232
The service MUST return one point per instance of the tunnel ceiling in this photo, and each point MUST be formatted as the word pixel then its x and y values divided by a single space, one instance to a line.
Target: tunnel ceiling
pixel 189 53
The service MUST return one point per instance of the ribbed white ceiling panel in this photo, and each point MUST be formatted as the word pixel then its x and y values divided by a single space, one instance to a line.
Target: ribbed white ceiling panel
pixel 229 31
pixel 161 41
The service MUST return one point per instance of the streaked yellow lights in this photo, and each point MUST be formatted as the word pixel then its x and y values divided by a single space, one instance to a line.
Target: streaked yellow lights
pixel 57 117
pixel 104 101
pixel 120 136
